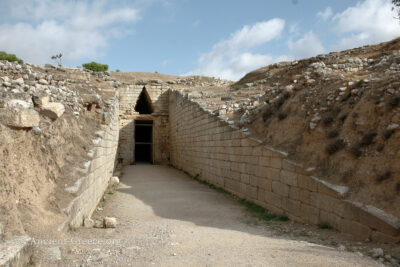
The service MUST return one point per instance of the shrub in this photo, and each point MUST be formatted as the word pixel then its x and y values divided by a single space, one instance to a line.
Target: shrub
pixel 237 87
pixel 334 147
pixel 327 119
pixel 282 115
pixel 384 176
pixel 10 57
pixel 268 113
pixel 332 134
pixel 368 138
pixel 57 58
pixel 117 70
pixel 324 225
pixel 343 117
pixel 387 134
pixel 394 101
pixel 380 148
pixel 94 66
pixel 356 150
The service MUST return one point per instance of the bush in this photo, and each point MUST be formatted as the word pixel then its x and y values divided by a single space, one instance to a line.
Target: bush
pixel 324 225
pixel 368 138
pixel 282 115
pixel 384 176
pixel 333 134
pixel 10 57
pixel 94 66
pixel 335 146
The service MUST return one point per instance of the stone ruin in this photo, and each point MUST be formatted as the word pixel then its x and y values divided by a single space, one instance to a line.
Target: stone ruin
pixel 174 123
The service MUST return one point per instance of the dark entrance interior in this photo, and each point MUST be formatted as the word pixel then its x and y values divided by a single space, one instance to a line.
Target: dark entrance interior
pixel 144 104
pixel 144 141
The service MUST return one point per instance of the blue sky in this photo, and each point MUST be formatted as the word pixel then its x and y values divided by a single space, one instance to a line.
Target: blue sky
pixel 225 38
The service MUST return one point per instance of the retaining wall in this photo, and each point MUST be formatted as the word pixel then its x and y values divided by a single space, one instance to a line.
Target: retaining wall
pixel 204 145
pixel 97 172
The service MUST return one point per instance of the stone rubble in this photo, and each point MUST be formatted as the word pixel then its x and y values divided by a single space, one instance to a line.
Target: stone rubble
pixel 110 222
pixel 242 105
pixel 29 93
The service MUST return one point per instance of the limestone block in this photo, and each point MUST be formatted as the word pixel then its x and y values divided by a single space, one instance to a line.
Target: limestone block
pixel 288 165
pixel 292 207
pixel 40 100
pixel 88 223
pixel 232 185
pixel 280 189
pixel 243 188
pixel 276 162
pixel 273 174
pixel 267 152
pixel 354 228
pixel 288 177
pixel 52 110
pixel 245 178
pixel 273 199
pixel 349 211
pixel 383 238
pixel 257 151
pixel 330 218
pixel 379 220
pixel 261 195
pixel 114 180
pixel 253 180
pixel 307 183
pixel 264 161
pixel 251 192
pixel 330 189
pixel 310 213
pixel 251 169
pixel 264 183
pixel 300 194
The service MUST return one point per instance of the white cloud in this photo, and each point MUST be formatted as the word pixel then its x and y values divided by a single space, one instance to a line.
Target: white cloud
pixel 326 14
pixel 79 30
pixel 309 45
pixel 368 22
pixel 231 58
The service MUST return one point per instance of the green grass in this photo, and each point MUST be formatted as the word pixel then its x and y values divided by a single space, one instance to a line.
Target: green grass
pixel 334 243
pixel 257 210
pixel 261 212
pixel 324 225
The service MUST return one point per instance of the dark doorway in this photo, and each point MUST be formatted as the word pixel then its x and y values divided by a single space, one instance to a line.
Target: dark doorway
pixel 144 104
pixel 144 141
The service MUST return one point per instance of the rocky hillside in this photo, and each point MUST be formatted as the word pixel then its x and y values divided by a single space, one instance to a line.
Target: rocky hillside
pixel 337 113
pixel 48 118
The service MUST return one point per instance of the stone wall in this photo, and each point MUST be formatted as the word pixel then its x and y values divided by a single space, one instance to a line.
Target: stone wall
pixel 97 172
pixel 204 145
pixel 128 97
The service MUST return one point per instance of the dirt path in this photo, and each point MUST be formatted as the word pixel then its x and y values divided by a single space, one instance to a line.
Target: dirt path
pixel 168 219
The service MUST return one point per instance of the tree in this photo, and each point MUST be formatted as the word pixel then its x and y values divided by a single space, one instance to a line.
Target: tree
pixel 57 59
pixel 396 5
pixel 94 66
pixel 10 57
